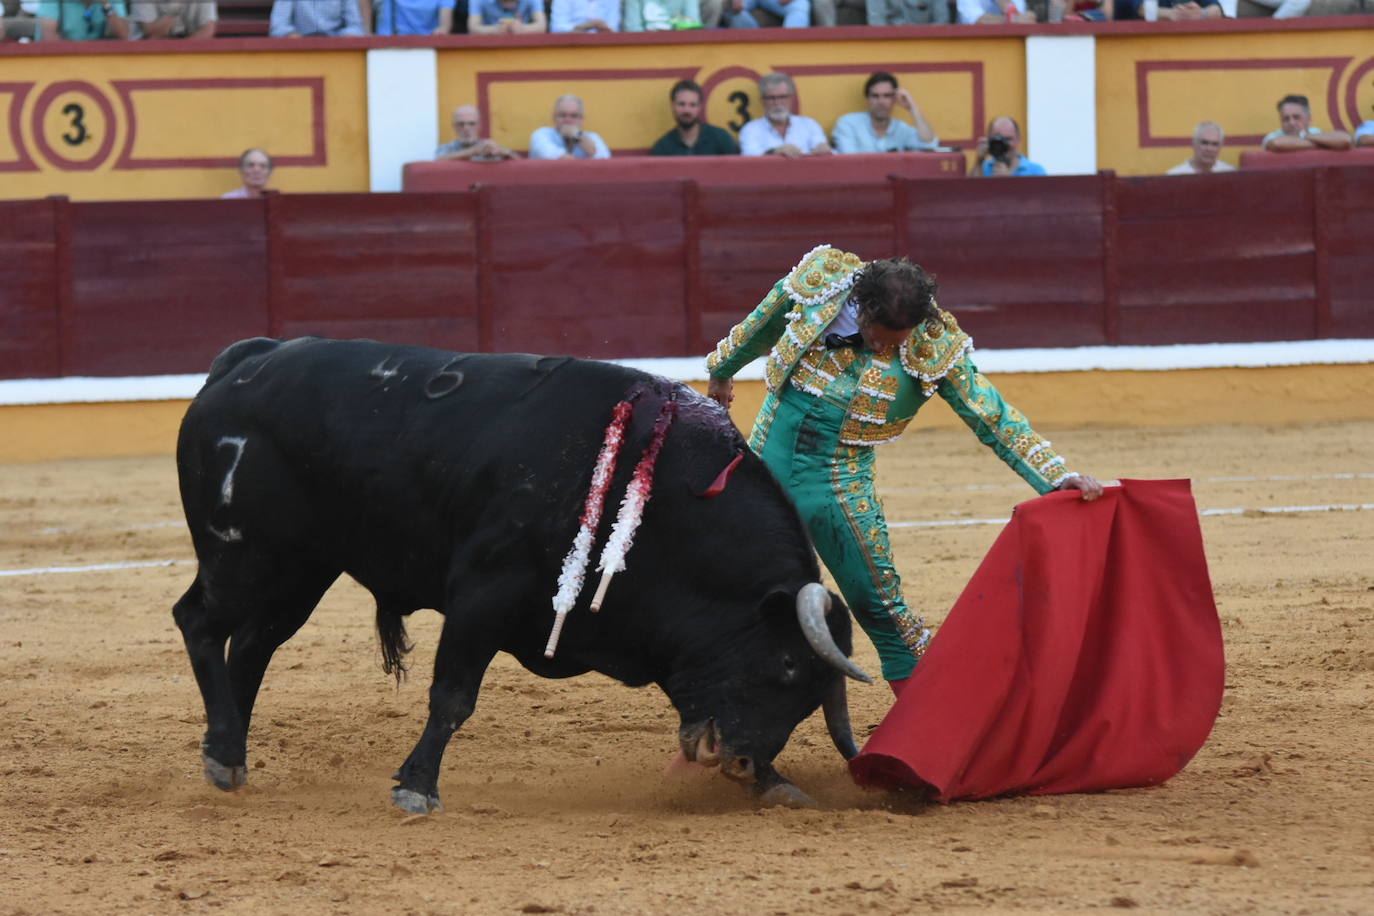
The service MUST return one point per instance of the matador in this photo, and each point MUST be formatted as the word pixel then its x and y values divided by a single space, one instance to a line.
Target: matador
pixel 854 349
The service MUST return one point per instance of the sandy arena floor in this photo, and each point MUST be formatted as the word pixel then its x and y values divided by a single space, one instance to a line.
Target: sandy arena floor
pixel 556 797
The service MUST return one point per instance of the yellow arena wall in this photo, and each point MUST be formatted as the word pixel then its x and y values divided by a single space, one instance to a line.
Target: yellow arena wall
pixel 1152 90
pixel 144 126
pixel 141 123
pixel 959 84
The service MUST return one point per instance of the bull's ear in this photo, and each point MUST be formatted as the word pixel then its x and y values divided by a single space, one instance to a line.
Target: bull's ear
pixel 838 609
pixel 778 605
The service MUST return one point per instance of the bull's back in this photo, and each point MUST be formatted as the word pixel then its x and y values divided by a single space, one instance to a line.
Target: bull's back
pixel 382 458
pixel 355 406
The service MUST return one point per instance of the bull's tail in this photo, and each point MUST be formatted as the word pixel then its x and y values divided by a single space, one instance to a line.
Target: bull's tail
pixel 391 634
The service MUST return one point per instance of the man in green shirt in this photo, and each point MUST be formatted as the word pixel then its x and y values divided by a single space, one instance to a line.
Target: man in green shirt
pixel 692 136
pixel 82 20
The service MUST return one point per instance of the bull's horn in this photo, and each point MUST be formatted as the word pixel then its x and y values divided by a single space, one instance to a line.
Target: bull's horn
pixel 836 707
pixel 812 603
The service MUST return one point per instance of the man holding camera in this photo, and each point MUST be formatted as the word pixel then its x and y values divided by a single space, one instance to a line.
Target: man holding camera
pixel 566 139
pixel 999 153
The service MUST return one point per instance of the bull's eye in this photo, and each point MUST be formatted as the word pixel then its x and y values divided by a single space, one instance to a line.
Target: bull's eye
pixel 789 667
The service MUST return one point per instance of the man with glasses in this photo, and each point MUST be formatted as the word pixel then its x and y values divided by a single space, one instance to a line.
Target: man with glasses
pixel 780 132
pixel 875 130
pixel 468 145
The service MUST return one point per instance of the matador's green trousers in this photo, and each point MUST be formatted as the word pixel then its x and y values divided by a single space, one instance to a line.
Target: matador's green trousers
pixel 832 485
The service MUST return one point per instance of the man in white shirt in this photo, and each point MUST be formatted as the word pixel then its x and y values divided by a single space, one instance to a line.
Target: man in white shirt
pixel 1207 140
pixel 566 139
pixel 780 132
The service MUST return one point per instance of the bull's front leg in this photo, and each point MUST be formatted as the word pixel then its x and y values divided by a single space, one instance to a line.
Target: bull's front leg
pixel 770 787
pixel 459 664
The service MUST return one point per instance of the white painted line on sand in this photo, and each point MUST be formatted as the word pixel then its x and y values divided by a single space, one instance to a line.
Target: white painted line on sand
pixel 98 567
pixel 1269 510
pixel 942 523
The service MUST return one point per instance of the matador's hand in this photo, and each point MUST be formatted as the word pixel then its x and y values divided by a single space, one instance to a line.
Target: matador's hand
pixel 721 390
pixel 1086 484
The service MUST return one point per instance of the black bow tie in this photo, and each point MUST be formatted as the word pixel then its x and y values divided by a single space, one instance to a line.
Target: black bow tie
pixel 836 341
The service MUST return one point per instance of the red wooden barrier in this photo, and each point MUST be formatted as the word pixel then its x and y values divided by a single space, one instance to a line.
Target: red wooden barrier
pixel 1345 229
pixel 452 175
pixel 751 236
pixel 575 269
pixel 664 268
pixel 162 286
pixel 1020 260
pixel 30 343
pixel 1306 159
pixel 1225 257
pixel 388 266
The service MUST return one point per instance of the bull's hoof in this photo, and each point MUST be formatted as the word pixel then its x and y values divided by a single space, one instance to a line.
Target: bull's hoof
pixel 413 802
pixel 224 777
pixel 785 795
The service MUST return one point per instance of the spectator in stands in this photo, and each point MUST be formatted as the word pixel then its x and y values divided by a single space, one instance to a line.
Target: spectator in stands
pixel 999 153
pixel 795 14
pixel 825 13
pixel 662 15
pixel 585 16
pixel 82 20
pixel 1297 133
pixel 173 19
pixel 875 130
pixel 468 145
pixel 1285 9
pixel 18 20
pixel 993 12
pixel 780 132
pixel 255 168
pixel 507 17
pixel 906 12
pixel 692 136
pixel 1169 10
pixel 566 139
pixel 1207 140
pixel 1364 134
pixel 414 17
pixel 316 18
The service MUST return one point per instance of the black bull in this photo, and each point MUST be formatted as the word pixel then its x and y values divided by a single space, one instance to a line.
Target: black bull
pixel 456 482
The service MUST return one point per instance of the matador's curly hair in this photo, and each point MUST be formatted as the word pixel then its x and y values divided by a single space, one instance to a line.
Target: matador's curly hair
pixel 895 293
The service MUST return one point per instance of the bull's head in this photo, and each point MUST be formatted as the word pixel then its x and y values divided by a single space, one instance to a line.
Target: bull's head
pixel 795 660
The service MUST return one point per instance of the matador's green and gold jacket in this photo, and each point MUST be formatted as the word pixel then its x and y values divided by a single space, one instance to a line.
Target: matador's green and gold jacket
pixel 788 326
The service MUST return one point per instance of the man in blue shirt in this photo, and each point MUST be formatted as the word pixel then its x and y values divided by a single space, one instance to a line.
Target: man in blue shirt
pixel 415 17
pixel 999 153
pixel 506 17
pixel 875 130
pixel 315 18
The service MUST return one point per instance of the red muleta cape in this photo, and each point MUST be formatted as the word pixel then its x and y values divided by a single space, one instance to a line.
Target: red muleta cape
pixel 1084 654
